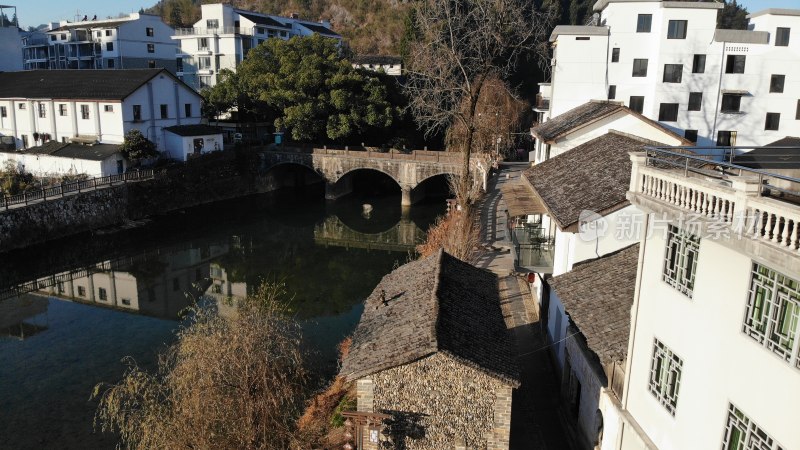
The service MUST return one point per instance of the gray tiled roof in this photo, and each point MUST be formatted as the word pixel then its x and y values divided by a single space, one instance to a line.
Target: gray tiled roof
pixel 593 176
pixel 194 130
pixel 95 152
pixel 773 158
pixel 436 304
pixel 114 84
pixel 587 113
pixel 598 296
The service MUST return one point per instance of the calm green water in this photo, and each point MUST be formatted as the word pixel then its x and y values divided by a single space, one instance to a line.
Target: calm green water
pixel 56 343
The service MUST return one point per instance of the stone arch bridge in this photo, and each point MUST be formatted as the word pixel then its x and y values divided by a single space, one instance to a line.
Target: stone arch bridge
pixel 408 169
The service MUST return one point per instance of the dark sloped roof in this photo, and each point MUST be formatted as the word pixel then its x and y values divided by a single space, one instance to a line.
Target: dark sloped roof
pixel 591 112
pixel 115 84
pixel 593 176
pixel 436 304
pixel 194 130
pixel 96 152
pixel 262 20
pixel 318 28
pixel 773 158
pixel 598 296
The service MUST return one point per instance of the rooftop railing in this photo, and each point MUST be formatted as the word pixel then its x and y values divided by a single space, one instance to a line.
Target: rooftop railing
pixel 758 203
pixel 218 30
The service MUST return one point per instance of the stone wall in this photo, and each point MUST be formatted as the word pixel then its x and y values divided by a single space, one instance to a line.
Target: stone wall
pixel 439 403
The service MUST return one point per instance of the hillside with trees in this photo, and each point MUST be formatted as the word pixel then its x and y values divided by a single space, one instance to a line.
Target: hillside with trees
pixel 368 26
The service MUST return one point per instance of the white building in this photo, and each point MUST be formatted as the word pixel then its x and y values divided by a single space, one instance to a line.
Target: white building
pixel 714 351
pixel 54 159
pixel 187 141
pixel 93 105
pixel 224 35
pixel 390 65
pixel 666 60
pixel 10 43
pixel 138 41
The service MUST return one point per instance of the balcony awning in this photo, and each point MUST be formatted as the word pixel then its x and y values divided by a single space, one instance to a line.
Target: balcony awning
pixel 521 200
pixel 735 92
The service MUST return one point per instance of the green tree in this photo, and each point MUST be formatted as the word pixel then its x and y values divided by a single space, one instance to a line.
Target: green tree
pixel 315 93
pixel 14 181
pixel 137 147
pixel 732 16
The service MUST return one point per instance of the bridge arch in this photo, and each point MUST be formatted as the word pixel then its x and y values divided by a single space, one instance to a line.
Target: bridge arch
pixel 285 174
pixel 341 184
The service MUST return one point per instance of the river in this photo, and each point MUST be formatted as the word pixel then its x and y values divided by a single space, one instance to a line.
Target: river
pixel 71 310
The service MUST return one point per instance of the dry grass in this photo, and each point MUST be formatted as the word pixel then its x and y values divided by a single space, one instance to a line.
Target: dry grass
pixel 457 233
pixel 227 383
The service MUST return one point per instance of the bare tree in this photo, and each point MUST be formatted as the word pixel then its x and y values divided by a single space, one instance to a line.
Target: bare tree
pixel 459 46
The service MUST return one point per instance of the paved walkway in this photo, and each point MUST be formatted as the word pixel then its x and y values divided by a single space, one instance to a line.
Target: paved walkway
pixel 535 420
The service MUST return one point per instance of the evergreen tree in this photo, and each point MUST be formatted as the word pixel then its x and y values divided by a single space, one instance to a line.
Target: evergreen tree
pixel 732 17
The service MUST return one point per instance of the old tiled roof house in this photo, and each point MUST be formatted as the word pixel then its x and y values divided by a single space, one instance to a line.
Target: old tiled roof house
pixel 432 350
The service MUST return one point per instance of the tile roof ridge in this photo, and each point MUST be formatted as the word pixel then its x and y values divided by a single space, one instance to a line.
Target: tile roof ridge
pixel 435 295
pixel 607 255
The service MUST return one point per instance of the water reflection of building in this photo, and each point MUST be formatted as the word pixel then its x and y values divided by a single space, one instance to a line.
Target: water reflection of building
pixel 223 290
pixel 18 316
pixel 403 236
pixel 159 286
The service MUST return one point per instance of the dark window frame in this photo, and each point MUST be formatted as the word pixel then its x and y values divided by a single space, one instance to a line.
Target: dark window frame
pixel 150 31
pixel 637 64
pixel 735 64
pixel 726 138
pixel 85 112
pixel 673 73
pixel 777 83
pixel 636 103
pixel 690 135
pixel 187 109
pixel 109 46
pixel 782 36
pixel 731 103
pixel 695 101
pixel 772 121
pixel 615 54
pixel 676 29
pixel 164 109
pixel 668 112
pixel 644 23
pixel 612 92
pixel 699 64
pixel 151 48
pixel 137 113
pixel 3 111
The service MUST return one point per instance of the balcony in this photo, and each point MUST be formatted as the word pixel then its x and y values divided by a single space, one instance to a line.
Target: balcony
pixel 533 247
pixel 213 31
pixel 542 103
pixel 734 202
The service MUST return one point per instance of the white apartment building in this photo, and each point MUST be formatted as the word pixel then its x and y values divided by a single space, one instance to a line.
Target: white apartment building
pixel 93 105
pixel 138 41
pixel 714 350
pixel 390 65
pixel 224 35
pixel 667 61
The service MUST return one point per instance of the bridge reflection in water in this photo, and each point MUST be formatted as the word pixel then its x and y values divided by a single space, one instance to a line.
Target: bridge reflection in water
pixel 402 237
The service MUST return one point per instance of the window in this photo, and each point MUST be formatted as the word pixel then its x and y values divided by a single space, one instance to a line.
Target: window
pixel 108 33
pixel 81 291
pixel 204 62
pixel 673 73
pixel 24 141
pixel 126 301
pixel 187 109
pixel 726 138
pixel 283 34
pixel 668 112
pixel 773 311
pixel 615 54
pixel 42 110
pixel 665 376
pixel 776 83
pixel 22 106
pixel 3 111
pixel 150 32
pixel 99 34
pixel 643 23
pixel 84 112
pixel 62 109
pixel 259 30
pixel 695 101
pixel 680 259
pixel 797 112
pixel 205 81
pixel 676 29
pixel 109 46
pixel 137 113
pixel 639 68
pixel 731 103
pixel 53 38
pixel 176 284
pixel 202 43
pixel 151 48
pixel 699 64
pixel 582 38
pixel 742 434
pixel 612 92
pixel 735 64
pixel 773 121
pixel 212 23
pixel 110 64
pixel 151 64
pixel 164 112
pixel 782 37
pixel 636 103
pixel 690 135
pixel 102 294
pixel 108 108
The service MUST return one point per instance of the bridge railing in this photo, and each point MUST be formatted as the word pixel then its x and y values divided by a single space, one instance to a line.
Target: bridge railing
pixel 373 153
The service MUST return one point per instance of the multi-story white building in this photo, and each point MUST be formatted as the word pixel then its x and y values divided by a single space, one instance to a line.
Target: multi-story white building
pixel 714 350
pixel 667 60
pixel 390 65
pixel 224 35
pixel 93 105
pixel 138 41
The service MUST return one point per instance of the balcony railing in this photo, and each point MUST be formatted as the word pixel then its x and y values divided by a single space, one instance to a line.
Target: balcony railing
pixel 542 102
pixel 533 247
pixel 209 31
pixel 753 203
